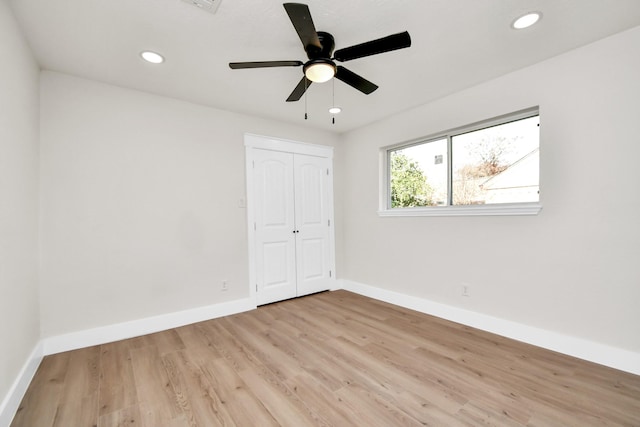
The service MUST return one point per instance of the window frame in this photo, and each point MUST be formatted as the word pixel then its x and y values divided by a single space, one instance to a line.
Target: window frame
pixel 519 208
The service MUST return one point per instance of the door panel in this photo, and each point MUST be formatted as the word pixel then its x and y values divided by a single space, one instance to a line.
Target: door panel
pixel 312 223
pixel 312 252
pixel 274 226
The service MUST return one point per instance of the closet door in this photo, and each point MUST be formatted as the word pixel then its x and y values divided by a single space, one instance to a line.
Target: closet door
pixel 274 223
pixel 311 181
pixel 290 215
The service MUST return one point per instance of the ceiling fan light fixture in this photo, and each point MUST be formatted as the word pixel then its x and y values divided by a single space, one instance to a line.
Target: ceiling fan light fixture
pixel 526 20
pixel 335 110
pixel 320 70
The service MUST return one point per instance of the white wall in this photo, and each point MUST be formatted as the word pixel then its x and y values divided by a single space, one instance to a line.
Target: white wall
pixel 140 199
pixel 19 318
pixel 572 269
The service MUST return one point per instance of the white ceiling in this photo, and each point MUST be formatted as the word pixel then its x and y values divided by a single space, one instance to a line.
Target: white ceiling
pixel 455 44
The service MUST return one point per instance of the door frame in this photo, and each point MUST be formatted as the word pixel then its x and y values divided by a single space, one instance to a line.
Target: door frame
pixel 251 142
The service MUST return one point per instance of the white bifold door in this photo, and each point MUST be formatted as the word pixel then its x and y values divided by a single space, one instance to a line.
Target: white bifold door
pixel 291 212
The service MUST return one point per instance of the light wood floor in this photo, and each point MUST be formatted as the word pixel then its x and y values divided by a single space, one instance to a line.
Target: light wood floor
pixel 330 359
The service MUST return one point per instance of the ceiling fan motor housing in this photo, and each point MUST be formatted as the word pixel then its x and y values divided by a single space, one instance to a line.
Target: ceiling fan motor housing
pixel 328 44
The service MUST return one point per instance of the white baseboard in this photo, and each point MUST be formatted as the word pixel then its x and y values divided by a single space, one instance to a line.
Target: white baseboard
pixel 603 354
pixel 11 402
pixel 134 328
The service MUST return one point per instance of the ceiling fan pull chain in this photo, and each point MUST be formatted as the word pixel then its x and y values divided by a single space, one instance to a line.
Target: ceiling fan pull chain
pixel 305 98
pixel 333 99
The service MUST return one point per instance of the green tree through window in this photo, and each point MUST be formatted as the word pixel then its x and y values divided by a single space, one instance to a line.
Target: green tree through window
pixel 409 187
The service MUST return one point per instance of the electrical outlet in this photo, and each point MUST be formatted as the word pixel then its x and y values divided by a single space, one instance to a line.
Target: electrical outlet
pixel 466 290
pixel 225 285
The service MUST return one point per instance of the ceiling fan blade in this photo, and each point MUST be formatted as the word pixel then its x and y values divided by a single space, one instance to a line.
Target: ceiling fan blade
pixel 373 47
pixel 264 64
pixel 299 90
pixel 354 80
pixel 303 23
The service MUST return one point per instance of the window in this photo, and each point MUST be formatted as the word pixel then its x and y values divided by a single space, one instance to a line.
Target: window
pixel 490 168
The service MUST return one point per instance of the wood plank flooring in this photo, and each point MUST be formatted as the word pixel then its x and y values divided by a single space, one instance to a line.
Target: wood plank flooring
pixel 330 359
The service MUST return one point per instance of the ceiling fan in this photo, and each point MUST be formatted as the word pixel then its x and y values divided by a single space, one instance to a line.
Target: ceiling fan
pixel 319 47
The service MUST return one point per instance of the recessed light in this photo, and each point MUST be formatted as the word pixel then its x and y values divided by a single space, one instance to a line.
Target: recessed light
pixel 527 20
pixel 153 57
pixel 335 110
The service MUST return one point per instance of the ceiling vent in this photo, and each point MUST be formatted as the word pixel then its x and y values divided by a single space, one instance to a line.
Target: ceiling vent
pixel 210 6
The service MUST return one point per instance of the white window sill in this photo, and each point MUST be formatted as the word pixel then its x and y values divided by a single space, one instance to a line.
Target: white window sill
pixel 472 210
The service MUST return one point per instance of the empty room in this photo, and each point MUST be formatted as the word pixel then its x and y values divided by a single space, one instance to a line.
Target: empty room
pixel 332 213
